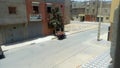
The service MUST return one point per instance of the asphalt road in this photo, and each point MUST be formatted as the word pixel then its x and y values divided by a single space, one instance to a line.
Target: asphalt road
pixel 67 53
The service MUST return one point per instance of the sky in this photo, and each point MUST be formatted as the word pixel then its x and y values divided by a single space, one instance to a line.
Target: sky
pixel 88 0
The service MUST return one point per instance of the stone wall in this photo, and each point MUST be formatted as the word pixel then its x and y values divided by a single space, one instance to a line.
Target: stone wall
pixel 19 17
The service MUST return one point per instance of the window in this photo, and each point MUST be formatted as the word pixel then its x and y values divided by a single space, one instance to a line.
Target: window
pixel 76 16
pixel 74 5
pixel 35 10
pixel 12 10
pixel 14 27
pixel 49 9
pixel 101 19
pixel 106 10
pixel 107 18
pixel 93 3
pixel 87 11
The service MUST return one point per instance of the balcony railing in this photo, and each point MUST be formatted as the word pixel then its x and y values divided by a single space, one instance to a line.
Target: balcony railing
pixel 35 17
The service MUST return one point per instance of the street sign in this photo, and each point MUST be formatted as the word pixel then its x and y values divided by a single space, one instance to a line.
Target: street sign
pixel 35 17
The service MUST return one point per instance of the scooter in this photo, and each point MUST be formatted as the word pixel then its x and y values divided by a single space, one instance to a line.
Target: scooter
pixel 60 35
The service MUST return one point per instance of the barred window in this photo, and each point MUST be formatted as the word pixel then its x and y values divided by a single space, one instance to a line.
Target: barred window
pixel 12 10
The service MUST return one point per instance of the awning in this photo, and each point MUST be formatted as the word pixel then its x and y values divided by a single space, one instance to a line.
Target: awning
pixel 81 14
pixel 100 16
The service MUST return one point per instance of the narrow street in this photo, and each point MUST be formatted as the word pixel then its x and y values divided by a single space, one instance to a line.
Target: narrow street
pixel 72 52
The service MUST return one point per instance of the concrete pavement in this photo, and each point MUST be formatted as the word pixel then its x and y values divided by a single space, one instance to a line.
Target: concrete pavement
pixel 94 52
pixel 100 61
pixel 26 43
pixel 72 28
pixel 77 26
pixel 73 52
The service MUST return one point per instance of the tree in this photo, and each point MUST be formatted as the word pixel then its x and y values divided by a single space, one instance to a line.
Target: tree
pixel 56 20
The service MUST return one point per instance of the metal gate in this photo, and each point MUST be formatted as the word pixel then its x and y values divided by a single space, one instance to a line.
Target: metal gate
pixel 13 33
pixel 34 29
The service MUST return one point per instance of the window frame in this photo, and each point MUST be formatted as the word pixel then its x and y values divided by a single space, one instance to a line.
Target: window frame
pixel 12 10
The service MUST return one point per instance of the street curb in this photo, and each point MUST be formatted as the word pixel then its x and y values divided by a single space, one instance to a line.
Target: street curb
pixel 80 31
pixel 75 32
pixel 40 40
pixel 6 48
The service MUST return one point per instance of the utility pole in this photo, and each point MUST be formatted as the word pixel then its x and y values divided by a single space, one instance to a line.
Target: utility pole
pixel 96 9
pixel 90 10
pixel 99 25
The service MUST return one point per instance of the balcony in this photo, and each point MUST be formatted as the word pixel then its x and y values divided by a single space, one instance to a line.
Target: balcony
pixel 35 17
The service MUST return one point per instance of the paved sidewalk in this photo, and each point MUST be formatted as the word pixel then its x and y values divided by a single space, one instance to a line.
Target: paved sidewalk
pixel 101 61
pixel 69 28
pixel 69 56
pixel 77 26
pixel 96 50
pixel 26 43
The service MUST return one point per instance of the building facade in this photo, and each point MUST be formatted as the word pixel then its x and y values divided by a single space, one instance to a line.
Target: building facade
pixel 25 19
pixel 90 10
pixel 105 12
pixel 12 20
pixel 114 6
pixel 78 10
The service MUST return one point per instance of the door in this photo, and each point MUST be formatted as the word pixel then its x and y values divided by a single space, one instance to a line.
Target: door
pixel 9 35
pixel 14 33
pixel 34 29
